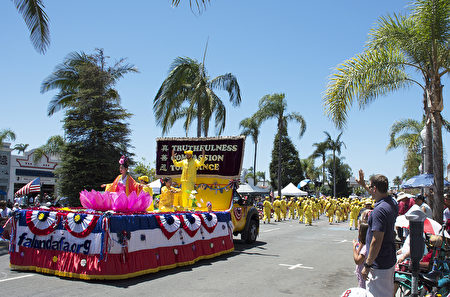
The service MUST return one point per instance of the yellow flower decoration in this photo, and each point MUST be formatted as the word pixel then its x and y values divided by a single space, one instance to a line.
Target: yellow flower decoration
pixel 77 218
pixel 41 216
pixel 55 258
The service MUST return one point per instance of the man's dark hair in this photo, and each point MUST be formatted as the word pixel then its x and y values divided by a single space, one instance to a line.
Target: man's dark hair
pixel 381 182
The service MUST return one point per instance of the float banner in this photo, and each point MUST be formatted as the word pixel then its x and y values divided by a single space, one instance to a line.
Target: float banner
pixel 223 155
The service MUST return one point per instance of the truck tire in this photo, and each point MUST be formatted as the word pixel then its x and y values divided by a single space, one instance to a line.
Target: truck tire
pixel 250 232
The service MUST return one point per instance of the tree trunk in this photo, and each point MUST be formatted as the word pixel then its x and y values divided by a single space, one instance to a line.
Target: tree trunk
pixel 438 170
pixel 428 143
pixel 280 126
pixel 254 163
pixel 323 170
pixel 199 121
pixel 334 173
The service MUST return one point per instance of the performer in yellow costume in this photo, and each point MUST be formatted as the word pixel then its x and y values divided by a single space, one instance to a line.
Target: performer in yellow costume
pixel 283 208
pixel 354 215
pixel 291 205
pixel 167 195
pixel 308 209
pixel 330 209
pixel 277 209
pixel 300 211
pixel 267 210
pixel 146 188
pixel 188 174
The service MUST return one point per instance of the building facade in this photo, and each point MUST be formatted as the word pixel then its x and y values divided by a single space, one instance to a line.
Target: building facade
pixel 21 169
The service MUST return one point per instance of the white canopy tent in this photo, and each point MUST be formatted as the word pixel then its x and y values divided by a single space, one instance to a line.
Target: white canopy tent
pixel 156 186
pixel 251 189
pixel 292 190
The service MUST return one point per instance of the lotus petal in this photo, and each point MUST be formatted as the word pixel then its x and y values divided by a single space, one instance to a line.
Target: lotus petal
pixel 146 200
pixel 139 203
pixel 107 200
pixel 121 202
pixel 132 201
pixel 85 200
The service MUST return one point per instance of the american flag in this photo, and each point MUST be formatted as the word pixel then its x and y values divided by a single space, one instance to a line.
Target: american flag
pixel 33 186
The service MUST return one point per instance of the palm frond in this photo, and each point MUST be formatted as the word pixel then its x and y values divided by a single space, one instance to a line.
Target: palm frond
pixel 295 116
pixel 36 20
pixel 365 77
pixel 229 83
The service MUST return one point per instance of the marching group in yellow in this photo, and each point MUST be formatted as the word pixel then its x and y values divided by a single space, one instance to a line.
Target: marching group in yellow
pixel 309 209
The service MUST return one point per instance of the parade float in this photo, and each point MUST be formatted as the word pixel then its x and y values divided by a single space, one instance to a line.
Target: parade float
pixel 114 236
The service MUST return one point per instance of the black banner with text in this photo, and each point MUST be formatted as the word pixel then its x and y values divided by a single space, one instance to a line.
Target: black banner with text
pixel 223 155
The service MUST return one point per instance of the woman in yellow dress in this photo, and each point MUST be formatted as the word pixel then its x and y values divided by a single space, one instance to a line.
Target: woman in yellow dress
pixel 167 195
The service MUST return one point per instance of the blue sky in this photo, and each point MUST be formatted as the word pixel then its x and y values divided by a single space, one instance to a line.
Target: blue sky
pixel 270 46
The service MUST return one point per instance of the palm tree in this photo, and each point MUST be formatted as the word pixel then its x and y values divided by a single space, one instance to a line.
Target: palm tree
pixel 274 106
pixel 407 134
pixel 321 152
pixel 33 14
pixel 335 146
pixel 21 148
pixel 7 134
pixel 187 93
pixel 68 79
pixel 417 43
pixel 397 181
pixel 261 175
pixel 250 126
pixel 54 146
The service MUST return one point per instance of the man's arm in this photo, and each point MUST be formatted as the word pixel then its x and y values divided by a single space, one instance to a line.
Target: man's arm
pixel 361 180
pixel 202 160
pixel 375 246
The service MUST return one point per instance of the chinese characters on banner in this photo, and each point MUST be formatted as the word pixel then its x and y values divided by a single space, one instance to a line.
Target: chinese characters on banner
pixel 223 155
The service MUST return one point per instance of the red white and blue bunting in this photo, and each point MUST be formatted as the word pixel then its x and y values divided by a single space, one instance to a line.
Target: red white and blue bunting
pixel 169 224
pixel 80 225
pixel 42 222
pixel 191 223
pixel 209 221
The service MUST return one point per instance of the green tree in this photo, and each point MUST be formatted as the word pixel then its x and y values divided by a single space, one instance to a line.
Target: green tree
pixel 291 169
pixel 54 146
pixel 407 134
pixel 397 181
pixel 21 147
pixel 144 168
pixel 36 19
pixel 417 43
pixel 261 176
pixel 7 135
pixel 94 122
pixel 411 164
pixel 250 126
pixel 335 145
pixel 339 173
pixel 274 106
pixel 320 151
pixel 188 93
pixel 309 169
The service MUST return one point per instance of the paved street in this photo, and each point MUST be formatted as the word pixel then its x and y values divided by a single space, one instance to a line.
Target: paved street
pixel 288 259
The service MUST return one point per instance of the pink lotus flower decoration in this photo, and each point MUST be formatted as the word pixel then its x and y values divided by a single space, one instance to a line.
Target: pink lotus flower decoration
pixel 119 201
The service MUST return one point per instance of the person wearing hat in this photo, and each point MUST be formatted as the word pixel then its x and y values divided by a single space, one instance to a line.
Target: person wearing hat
pixel 291 206
pixel 300 212
pixel 404 203
pixel 308 210
pixel 267 210
pixel 277 209
pixel 145 187
pixel 189 167
pixel 283 208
